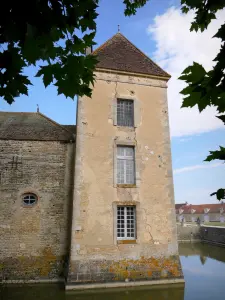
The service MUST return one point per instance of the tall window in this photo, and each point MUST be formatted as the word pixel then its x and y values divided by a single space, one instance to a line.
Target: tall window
pixel 125 165
pixel 125 112
pixel 126 223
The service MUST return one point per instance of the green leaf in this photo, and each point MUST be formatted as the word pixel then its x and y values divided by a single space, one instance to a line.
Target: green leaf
pixel 220 194
pixel 48 77
pixel 222 118
pixel 221 32
pixel 194 26
pixel 187 90
pixel 132 6
pixel 187 70
pixel 183 77
pixel 197 72
pixel 40 72
pixel 189 101
pixel 185 9
pixel 218 154
pixel 88 39
pixel 31 51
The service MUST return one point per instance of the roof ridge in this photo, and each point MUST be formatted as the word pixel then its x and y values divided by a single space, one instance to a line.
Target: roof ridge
pixel 54 122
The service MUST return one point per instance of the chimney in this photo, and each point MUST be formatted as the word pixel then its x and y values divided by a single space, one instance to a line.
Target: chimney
pixel 88 50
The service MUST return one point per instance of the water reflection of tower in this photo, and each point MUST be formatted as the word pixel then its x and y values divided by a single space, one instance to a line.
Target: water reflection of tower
pixel 203 259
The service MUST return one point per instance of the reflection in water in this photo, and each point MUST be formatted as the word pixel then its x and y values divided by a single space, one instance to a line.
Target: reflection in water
pixel 189 249
pixel 54 292
pixel 204 271
pixel 163 293
pixel 203 259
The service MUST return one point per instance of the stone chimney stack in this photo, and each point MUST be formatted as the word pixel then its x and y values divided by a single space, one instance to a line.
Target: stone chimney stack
pixel 89 50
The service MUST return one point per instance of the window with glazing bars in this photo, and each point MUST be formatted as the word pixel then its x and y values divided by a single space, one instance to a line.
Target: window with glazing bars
pixel 126 223
pixel 125 112
pixel 125 165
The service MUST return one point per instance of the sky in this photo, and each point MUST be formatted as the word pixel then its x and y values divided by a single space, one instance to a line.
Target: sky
pixel 161 31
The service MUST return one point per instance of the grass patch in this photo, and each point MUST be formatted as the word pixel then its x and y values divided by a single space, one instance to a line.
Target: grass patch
pixel 214 224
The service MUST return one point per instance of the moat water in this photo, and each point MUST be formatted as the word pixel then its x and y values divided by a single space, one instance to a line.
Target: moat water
pixel 204 272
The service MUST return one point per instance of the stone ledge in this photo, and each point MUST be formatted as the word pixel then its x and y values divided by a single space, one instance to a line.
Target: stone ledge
pixel 72 286
pixel 28 281
pixel 190 241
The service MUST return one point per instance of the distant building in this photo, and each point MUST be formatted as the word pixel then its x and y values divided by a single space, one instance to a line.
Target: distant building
pixel 205 212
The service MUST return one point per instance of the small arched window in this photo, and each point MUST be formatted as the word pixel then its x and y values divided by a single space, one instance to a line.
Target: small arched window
pixel 29 199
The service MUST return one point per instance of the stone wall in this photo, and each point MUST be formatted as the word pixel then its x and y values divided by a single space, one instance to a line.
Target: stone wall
pixel 188 233
pixel 35 240
pixel 201 233
pixel 96 254
pixel 213 234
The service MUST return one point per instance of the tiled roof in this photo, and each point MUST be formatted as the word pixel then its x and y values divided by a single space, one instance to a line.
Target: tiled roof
pixel 179 205
pixel 200 209
pixel 119 54
pixel 71 128
pixel 33 126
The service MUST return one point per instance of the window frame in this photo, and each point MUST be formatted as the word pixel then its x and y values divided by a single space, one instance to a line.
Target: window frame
pixel 29 194
pixel 127 238
pixel 132 114
pixel 126 158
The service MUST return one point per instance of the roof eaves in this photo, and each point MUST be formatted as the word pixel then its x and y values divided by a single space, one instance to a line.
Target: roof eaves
pixel 34 139
pixel 134 73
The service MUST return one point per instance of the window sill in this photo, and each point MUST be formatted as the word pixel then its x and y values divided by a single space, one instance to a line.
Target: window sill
pixel 126 185
pixel 126 242
pixel 126 128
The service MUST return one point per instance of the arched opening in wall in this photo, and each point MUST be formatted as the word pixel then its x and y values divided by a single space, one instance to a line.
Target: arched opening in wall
pixel 29 199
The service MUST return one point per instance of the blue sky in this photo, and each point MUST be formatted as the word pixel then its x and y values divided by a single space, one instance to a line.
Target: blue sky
pixel 161 32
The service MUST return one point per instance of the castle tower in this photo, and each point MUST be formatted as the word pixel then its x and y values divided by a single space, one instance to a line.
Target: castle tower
pixel 123 224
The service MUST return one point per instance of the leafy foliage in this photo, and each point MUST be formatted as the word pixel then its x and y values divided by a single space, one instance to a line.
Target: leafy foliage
pixel 132 6
pixel 55 34
pixel 219 154
pixel 220 194
pixel 206 88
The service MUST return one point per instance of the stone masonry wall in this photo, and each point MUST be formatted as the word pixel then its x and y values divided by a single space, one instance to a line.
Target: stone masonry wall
pixel 34 240
pixel 188 233
pixel 213 234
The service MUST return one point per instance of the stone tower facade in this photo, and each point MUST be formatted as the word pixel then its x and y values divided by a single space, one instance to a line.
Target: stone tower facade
pixel 123 224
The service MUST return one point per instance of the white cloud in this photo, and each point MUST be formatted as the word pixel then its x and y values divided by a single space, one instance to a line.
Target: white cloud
pixel 176 48
pixel 184 140
pixel 197 167
pixel 196 196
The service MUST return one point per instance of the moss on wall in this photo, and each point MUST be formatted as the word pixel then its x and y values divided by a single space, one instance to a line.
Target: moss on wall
pixel 127 270
pixel 45 266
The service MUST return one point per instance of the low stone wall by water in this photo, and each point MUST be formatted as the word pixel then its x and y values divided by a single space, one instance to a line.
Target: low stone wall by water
pixel 193 233
pixel 212 234
pixel 188 233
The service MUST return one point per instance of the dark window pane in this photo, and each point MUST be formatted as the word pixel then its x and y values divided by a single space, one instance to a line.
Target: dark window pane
pixel 29 199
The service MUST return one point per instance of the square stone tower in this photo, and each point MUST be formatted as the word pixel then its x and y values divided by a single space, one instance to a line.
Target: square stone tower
pixel 123 224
